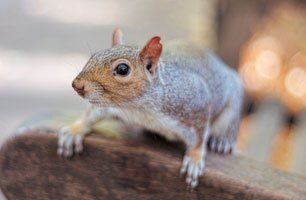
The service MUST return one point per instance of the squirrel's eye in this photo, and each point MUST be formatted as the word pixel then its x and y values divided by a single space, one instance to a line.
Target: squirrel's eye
pixel 122 69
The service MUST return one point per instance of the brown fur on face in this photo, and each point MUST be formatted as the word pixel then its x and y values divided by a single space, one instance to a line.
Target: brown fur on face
pixel 103 86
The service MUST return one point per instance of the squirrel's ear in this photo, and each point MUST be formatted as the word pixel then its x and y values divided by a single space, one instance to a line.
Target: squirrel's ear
pixel 117 37
pixel 150 54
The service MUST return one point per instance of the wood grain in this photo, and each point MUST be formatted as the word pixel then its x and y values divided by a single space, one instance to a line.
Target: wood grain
pixel 132 169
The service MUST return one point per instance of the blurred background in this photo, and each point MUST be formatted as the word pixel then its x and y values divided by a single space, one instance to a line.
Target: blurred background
pixel 45 43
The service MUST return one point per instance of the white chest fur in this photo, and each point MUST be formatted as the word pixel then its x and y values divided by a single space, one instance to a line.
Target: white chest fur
pixel 162 124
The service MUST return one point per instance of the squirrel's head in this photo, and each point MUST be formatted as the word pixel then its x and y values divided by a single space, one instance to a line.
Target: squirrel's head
pixel 118 74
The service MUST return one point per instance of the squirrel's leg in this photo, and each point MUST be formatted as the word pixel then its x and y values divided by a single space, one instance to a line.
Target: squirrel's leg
pixel 194 159
pixel 71 137
pixel 225 130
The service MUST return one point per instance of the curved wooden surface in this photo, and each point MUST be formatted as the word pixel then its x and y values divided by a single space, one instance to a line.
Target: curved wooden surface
pixel 132 169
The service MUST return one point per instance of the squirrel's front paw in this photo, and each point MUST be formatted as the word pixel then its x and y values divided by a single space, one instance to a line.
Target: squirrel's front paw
pixel 193 166
pixel 69 143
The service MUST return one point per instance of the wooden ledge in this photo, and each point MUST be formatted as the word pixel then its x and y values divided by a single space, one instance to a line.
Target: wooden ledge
pixel 127 169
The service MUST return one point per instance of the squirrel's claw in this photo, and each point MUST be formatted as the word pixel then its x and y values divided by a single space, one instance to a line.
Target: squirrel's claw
pixel 220 145
pixel 193 171
pixel 68 143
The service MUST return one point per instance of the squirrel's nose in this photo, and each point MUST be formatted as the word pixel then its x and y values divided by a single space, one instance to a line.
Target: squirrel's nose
pixel 79 87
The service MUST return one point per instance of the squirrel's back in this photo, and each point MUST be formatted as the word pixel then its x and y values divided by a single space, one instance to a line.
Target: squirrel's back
pixel 222 82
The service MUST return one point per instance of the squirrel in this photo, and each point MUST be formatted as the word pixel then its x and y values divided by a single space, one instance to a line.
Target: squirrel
pixel 196 99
